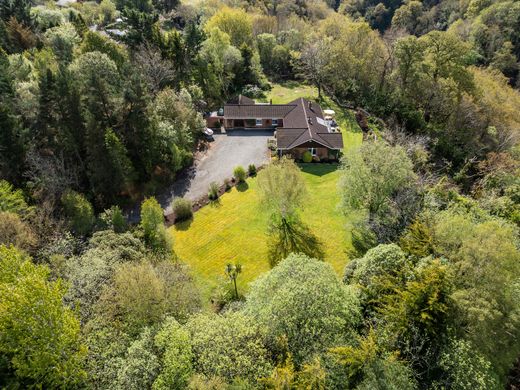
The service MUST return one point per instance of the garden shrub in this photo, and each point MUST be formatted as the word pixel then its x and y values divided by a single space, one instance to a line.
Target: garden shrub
pixel 251 170
pixel 307 157
pixel 213 191
pixel 240 173
pixel 182 208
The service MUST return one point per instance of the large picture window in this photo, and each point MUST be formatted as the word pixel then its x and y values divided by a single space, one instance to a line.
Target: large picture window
pixel 259 122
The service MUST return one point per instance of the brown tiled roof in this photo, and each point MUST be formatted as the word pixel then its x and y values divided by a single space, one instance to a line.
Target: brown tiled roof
pixel 257 111
pixel 302 121
pixel 309 116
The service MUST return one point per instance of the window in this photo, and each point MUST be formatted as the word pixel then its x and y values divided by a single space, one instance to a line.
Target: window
pixel 259 122
pixel 275 122
pixel 313 151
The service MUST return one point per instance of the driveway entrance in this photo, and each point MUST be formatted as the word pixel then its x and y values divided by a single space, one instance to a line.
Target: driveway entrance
pixel 236 147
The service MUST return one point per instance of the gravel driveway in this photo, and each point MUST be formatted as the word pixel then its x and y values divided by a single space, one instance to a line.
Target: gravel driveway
pixel 237 147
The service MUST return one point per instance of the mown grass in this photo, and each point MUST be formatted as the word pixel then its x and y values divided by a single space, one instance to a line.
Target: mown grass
pixel 234 230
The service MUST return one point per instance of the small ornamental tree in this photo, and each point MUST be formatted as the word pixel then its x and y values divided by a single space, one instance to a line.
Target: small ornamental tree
pixel 152 222
pixel 79 212
pixel 151 216
pixel 232 271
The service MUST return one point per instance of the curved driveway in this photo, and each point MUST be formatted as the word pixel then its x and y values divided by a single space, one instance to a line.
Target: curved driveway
pixel 237 147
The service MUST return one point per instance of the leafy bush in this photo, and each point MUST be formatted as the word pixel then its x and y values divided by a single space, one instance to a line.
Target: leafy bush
pixel 302 302
pixel 151 217
pixel 252 91
pixel 240 173
pixel 307 157
pixel 182 209
pixel 213 191
pixel 114 219
pixel 14 231
pixel 230 345
pixel 251 170
pixel 12 200
pixel 79 212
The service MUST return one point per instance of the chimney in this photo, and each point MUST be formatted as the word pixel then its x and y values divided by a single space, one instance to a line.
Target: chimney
pixel 310 106
pixel 310 121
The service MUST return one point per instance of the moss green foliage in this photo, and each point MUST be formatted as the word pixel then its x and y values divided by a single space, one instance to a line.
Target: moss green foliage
pixel 466 369
pixel 175 344
pixel 152 224
pixel 417 240
pixel 144 294
pixel 39 336
pixel 88 273
pixel 140 365
pixel 364 365
pixel 372 174
pixel 307 157
pixel 484 279
pixel 302 302
pixel 423 303
pixel 79 211
pixel 282 189
pixel 13 200
pixel 229 346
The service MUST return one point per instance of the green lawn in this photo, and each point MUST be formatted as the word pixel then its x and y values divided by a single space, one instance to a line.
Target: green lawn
pixel 235 230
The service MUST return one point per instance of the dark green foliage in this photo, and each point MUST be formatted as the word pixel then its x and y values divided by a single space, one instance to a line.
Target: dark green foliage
pixel 18 9
pixel 142 27
pixel 251 170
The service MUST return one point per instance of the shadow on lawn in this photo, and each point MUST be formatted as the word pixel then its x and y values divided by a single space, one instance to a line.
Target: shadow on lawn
pixel 242 187
pixel 317 169
pixel 184 225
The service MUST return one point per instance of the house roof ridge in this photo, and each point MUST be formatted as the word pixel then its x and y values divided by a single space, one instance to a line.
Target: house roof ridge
pixel 306 117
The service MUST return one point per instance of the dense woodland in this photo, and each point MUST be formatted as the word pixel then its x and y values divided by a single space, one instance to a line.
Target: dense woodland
pixel 102 103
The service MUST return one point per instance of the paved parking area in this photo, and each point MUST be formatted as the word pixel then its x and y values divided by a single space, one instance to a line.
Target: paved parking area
pixel 237 147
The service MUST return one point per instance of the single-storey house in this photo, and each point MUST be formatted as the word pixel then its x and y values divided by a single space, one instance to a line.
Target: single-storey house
pixel 300 125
